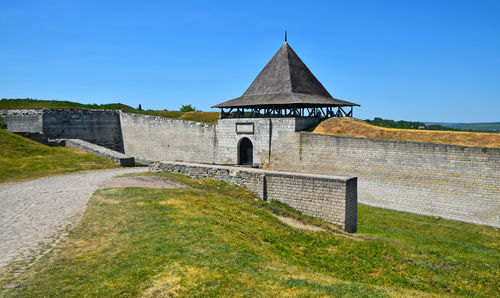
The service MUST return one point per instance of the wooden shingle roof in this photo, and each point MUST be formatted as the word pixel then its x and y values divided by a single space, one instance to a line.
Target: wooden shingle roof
pixel 285 81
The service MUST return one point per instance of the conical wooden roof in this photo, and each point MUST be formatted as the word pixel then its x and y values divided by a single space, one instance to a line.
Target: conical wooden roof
pixel 285 81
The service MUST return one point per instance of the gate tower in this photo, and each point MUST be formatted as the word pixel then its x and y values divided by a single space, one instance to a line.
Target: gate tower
pixel 284 98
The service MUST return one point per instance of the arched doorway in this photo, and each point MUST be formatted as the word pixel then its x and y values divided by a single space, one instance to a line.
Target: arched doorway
pixel 245 152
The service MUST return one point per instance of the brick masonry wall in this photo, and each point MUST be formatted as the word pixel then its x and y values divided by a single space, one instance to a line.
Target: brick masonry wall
pixel 331 198
pixel 454 182
pixel 158 138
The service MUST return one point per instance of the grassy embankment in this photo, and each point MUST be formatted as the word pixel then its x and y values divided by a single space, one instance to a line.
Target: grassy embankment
pixel 357 128
pixel 22 159
pixel 482 126
pixel 214 239
pixel 207 117
pixel 58 104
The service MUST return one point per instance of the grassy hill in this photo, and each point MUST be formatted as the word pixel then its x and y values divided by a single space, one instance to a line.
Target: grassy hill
pixel 482 126
pixel 21 159
pixel 214 239
pixel 58 104
pixel 357 128
pixel 207 117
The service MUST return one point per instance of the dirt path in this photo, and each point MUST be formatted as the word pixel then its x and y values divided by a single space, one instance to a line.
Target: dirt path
pixel 139 181
pixel 299 225
pixel 36 213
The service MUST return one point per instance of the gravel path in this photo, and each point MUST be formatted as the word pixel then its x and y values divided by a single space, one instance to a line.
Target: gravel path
pixel 34 213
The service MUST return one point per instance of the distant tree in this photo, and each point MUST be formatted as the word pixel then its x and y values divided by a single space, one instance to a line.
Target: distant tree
pixel 3 125
pixel 187 108
pixel 139 107
pixel 406 124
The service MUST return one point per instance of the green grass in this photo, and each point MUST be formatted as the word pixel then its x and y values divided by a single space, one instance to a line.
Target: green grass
pixel 206 117
pixel 481 126
pixel 59 104
pixel 22 159
pixel 215 239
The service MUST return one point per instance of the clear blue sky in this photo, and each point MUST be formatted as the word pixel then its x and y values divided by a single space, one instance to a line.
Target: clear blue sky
pixel 412 60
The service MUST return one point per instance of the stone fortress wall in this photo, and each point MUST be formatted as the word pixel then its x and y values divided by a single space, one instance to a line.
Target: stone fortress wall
pixel 454 182
pixel 264 133
pixel 331 198
pixel 26 121
pixel 461 183
pixel 101 127
pixel 98 127
pixel 158 138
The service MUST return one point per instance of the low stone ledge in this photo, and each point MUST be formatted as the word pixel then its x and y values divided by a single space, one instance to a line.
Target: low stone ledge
pixel 122 159
pixel 331 198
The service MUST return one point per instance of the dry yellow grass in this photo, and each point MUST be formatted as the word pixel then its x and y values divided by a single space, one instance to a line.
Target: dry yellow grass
pixel 208 117
pixel 356 128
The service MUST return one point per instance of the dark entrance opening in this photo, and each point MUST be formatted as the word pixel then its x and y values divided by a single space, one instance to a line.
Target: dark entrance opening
pixel 245 152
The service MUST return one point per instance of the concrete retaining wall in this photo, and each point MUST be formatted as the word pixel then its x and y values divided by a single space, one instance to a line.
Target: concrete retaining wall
pixel 331 198
pixel 159 138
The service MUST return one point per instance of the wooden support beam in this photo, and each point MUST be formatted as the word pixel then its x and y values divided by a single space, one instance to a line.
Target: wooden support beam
pixel 343 112
pixel 323 112
pixel 339 113
pixel 293 111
